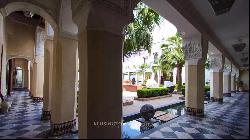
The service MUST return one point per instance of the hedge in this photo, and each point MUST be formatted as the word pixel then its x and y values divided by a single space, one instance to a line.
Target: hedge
pixel 152 92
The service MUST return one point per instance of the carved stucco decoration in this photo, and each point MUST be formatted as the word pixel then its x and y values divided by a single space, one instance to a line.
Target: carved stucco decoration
pixel 216 63
pixel 233 72
pixel 40 42
pixel 192 50
pixel 227 68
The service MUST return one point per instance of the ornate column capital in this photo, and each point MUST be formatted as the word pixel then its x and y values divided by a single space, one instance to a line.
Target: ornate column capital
pixel 227 69
pixel 192 50
pixel 217 62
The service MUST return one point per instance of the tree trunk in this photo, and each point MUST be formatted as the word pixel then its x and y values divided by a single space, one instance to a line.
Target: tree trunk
pixel 171 77
pixel 178 77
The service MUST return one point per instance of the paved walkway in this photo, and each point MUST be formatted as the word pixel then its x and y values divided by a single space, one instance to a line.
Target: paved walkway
pixel 136 106
pixel 229 120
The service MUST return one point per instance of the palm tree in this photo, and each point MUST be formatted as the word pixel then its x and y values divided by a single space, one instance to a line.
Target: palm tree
pixel 173 56
pixel 138 34
pixel 142 71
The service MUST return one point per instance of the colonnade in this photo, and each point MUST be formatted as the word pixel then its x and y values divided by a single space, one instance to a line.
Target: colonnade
pixel 53 72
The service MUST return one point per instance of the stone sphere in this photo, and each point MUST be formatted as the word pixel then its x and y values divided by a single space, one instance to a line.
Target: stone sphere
pixel 147 111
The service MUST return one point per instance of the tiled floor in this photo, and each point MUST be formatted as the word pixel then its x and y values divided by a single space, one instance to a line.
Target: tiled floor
pixel 227 120
pixel 23 119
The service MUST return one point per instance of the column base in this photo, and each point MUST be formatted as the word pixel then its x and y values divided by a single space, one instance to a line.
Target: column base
pixel 37 99
pixel 227 94
pixel 214 99
pixel 194 111
pixel 46 115
pixel 63 128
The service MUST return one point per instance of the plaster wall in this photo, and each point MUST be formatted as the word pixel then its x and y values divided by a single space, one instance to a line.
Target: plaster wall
pixel 20 39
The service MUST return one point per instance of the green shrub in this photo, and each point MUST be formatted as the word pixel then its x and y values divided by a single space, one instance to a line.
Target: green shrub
pixel 207 88
pixel 151 92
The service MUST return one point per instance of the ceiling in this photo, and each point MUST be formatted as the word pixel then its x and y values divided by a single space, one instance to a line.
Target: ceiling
pixel 35 20
pixel 229 27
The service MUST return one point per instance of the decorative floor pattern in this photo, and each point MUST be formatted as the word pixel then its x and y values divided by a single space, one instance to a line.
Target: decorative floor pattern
pixel 23 119
pixel 229 120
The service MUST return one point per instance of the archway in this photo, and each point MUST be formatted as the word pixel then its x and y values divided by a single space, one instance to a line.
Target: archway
pixel 38 36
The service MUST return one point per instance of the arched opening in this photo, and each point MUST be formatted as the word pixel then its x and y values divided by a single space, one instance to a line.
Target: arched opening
pixel 28 28
pixel 153 62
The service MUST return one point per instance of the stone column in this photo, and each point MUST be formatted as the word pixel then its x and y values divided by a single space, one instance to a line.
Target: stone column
pixel 100 58
pixel 216 85
pixel 233 79
pixel 233 85
pixel 38 69
pixel 31 80
pixel 63 118
pixel 195 50
pixel 48 68
pixel 227 81
pixel 10 77
pixel 34 79
pixel 26 76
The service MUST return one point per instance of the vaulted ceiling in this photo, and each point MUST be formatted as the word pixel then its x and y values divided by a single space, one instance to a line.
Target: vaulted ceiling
pixel 231 27
pixel 20 17
pixel 227 29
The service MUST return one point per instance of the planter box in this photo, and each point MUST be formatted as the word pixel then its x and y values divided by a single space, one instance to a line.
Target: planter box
pixel 152 98
pixel 132 88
